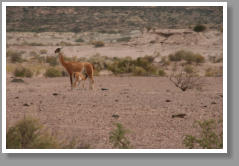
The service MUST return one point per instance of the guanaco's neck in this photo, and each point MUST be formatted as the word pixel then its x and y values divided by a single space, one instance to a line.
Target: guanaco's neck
pixel 61 59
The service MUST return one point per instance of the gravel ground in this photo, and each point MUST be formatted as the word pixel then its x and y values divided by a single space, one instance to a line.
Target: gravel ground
pixel 145 106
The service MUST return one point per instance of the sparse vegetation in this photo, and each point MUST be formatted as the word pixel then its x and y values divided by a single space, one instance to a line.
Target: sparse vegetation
pixel 98 43
pixel 52 60
pixel 209 137
pixel 80 40
pixel 118 137
pixel 214 71
pixel 23 72
pixel 185 80
pixel 188 56
pixel 215 59
pixel 27 134
pixel 43 51
pixel 53 72
pixel 15 56
pixel 199 28
pixel 124 39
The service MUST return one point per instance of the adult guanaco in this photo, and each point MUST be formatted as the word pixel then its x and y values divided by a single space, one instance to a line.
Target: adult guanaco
pixel 81 67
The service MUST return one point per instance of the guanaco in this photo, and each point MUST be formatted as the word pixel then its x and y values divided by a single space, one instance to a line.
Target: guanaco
pixel 81 67
pixel 77 77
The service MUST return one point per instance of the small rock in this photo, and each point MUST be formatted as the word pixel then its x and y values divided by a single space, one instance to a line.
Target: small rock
pixel 168 100
pixel 213 102
pixel 17 80
pixel 17 97
pixel 104 89
pixel 205 106
pixel 93 105
pixel 178 116
pixel 27 105
pixel 115 116
pixel 55 94
pixel 116 100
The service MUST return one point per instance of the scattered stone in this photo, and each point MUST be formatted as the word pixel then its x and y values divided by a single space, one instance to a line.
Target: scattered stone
pixel 205 106
pixel 104 89
pixel 93 105
pixel 178 116
pixel 115 116
pixel 17 97
pixel 18 80
pixel 116 100
pixel 168 100
pixel 55 94
pixel 27 105
pixel 213 102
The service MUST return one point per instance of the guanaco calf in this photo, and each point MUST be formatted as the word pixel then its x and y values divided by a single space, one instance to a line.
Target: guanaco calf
pixel 81 67
pixel 77 77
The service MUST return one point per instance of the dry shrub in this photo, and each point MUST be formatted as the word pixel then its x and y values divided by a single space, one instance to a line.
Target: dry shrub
pixel 15 56
pixel 215 59
pixel 23 72
pixel 26 134
pixel 118 137
pixel 185 80
pixel 187 56
pixel 214 72
pixel 53 72
pixel 52 60
pixel 43 51
pixel 98 43
pixel 209 138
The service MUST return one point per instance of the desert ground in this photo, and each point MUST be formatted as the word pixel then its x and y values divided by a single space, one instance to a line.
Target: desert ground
pixel 145 105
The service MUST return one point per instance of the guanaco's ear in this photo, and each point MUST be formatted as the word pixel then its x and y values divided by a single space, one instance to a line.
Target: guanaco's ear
pixel 58 50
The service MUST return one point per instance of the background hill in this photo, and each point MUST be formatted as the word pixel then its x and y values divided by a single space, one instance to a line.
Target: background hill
pixel 108 19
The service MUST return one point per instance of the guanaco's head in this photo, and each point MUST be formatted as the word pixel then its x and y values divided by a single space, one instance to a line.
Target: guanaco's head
pixel 58 50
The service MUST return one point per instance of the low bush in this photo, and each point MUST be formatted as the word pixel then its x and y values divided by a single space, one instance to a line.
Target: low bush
pixel 214 72
pixel 118 137
pixel 15 56
pixel 124 39
pixel 215 59
pixel 80 40
pixel 185 80
pixel 27 134
pixel 209 138
pixel 52 60
pixel 98 43
pixel 199 28
pixel 43 51
pixel 53 72
pixel 188 56
pixel 23 72
pixel 161 72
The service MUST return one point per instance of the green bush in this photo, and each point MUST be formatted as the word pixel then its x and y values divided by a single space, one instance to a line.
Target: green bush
pixel 199 28
pixel 15 56
pixel 118 137
pixel 139 71
pixel 124 39
pixel 53 72
pixel 23 72
pixel 79 40
pixel 52 60
pixel 26 134
pixel 161 73
pixel 188 56
pixel 208 139
pixel 214 71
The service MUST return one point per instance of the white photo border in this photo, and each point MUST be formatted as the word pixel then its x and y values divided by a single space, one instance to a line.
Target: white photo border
pixel 5 4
